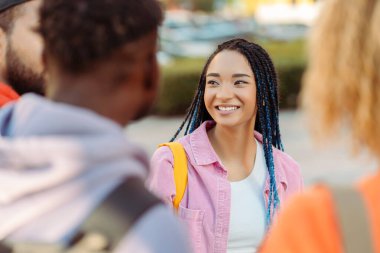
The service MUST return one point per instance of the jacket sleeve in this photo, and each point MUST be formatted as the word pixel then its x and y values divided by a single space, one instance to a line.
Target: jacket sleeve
pixel 161 177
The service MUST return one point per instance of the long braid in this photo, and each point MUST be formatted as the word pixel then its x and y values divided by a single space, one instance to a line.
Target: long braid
pixel 183 123
pixel 267 120
pixel 190 115
pixel 270 77
pixel 196 119
pixel 264 112
pixel 194 112
pixel 269 68
pixel 267 102
pixel 197 113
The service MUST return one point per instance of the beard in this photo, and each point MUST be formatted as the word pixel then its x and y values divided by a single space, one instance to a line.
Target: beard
pixel 20 77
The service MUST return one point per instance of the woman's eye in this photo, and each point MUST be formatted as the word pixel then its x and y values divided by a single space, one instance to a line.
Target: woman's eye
pixel 212 83
pixel 240 82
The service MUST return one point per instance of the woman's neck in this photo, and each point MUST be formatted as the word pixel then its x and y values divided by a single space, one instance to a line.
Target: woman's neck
pixel 236 147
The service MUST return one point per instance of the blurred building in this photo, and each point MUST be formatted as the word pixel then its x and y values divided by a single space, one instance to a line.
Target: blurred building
pixel 251 7
pixel 244 7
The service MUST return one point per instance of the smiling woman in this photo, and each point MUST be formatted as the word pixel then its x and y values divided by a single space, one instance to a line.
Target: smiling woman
pixel 230 91
pixel 238 173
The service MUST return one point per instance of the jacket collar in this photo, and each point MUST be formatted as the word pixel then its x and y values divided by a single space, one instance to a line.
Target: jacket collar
pixel 201 147
pixel 204 153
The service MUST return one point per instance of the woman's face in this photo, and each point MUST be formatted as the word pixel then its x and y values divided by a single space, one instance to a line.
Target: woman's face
pixel 230 91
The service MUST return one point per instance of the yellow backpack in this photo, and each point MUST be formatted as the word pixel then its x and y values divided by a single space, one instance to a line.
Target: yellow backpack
pixel 179 169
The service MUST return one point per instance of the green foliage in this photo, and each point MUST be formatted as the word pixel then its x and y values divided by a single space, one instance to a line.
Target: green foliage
pixel 290 77
pixel 285 53
pixel 290 62
pixel 180 79
pixel 203 5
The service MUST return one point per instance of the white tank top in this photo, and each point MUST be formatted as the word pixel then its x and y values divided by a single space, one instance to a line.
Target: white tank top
pixel 247 219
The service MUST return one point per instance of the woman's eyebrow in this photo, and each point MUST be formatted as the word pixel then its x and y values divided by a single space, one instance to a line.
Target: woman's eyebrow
pixel 234 75
pixel 213 74
pixel 240 75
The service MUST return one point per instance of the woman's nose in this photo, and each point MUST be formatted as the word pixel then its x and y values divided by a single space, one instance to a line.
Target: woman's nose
pixel 224 92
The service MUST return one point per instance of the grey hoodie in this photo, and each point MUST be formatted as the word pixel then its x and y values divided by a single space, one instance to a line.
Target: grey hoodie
pixel 57 162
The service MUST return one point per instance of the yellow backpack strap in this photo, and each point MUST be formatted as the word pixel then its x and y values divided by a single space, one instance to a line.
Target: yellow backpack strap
pixel 180 170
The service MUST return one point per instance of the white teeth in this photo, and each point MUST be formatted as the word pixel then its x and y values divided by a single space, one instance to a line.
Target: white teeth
pixel 227 108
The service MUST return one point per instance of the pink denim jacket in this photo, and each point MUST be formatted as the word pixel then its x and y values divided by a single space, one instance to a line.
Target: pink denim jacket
pixel 205 207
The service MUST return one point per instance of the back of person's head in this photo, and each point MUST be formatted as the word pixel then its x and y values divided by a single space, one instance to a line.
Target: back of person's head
pixel 342 83
pixel 101 54
pixel 81 34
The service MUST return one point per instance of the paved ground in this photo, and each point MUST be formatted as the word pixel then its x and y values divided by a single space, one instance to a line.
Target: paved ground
pixel 331 162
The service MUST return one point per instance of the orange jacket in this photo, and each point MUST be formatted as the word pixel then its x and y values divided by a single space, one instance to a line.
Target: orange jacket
pixel 308 223
pixel 7 94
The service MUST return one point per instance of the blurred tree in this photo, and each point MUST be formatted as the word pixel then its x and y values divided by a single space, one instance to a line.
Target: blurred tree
pixel 203 5
pixel 172 4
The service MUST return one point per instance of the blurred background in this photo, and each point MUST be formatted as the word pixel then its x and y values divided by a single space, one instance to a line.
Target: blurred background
pixel 190 33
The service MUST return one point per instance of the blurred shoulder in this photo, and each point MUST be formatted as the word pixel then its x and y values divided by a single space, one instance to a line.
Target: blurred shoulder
pixel 317 230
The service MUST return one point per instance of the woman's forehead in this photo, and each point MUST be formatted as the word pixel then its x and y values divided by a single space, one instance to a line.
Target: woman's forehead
pixel 229 62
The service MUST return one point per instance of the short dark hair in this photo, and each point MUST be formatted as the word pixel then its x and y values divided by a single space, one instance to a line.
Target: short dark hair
pixel 80 33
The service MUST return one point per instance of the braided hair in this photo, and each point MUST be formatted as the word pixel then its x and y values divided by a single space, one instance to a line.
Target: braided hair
pixel 267 122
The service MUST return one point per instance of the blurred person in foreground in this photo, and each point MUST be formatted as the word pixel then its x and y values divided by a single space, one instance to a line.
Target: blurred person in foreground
pixel 20 50
pixel 342 85
pixel 60 156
